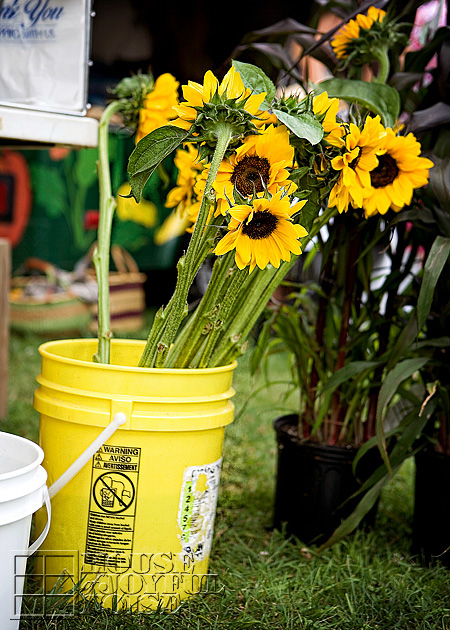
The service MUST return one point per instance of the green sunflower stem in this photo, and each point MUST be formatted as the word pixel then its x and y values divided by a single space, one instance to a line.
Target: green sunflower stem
pixel 253 296
pixel 224 134
pixel 100 257
pixel 192 336
pixel 159 341
pixel 382 57
pixel 237 279
pixel 231 292
pixel 164 313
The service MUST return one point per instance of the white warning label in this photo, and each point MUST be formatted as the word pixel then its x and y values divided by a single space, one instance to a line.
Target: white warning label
pixel 112 504
pixel 197 508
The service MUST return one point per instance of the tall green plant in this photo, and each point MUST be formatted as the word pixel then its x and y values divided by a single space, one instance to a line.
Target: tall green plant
pixel 355 346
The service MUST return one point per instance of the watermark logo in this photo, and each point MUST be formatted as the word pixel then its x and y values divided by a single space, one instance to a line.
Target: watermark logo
pixel 141 582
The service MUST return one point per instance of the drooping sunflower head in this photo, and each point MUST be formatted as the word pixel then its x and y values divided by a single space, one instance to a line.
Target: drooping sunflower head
pixel 158 105
pixel 211 104
pixel 350 35
pixel 263 232
pixel 147 104
pixel 399 172
pixel 132 92
pixel 361 40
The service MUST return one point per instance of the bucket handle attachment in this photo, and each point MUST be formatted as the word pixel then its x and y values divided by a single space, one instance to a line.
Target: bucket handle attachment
pixel 38 542
pixel 119 419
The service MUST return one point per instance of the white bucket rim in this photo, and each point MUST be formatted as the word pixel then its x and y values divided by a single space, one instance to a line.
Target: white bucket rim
pixel 12 493
pixel 16 506
pixel 29 467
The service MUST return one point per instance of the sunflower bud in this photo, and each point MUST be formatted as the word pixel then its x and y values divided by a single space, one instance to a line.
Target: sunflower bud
pixel 132 91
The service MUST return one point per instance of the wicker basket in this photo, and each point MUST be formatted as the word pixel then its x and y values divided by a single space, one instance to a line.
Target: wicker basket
pixel 126 294
pixel 42 303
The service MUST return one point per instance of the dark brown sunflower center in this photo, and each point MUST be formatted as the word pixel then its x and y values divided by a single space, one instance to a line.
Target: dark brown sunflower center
pixel 261 226
pixel 385 172
pixel 251 174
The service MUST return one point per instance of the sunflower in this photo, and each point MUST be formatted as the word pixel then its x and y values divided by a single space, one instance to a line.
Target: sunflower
pixel 158 107
pixel 182 196
pixel 346 36
pixel 327 109
pixel 264 119
pixel 263 233
pixel 143 212
pixel 260 163
pixel 360 156
pixel 230 94
pixel 231 88
pixel 400 170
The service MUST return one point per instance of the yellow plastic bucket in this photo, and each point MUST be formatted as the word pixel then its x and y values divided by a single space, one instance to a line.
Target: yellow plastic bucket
pixel 135 524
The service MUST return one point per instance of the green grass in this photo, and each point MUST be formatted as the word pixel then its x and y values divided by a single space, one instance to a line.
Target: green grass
pixel 369 581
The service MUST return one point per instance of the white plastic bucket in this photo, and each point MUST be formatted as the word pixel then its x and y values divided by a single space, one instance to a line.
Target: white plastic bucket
pixel 23 490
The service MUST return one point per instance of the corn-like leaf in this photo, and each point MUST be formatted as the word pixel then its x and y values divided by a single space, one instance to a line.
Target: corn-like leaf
pixel 348 372
pixel 391 383
pixel 436 260
pixel 261 345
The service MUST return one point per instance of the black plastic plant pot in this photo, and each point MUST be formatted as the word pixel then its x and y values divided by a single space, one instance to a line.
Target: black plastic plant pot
pixel 431 521
pixel 313 484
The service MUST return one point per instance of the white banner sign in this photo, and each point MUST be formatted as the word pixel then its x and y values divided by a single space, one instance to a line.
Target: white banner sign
pixel 44 50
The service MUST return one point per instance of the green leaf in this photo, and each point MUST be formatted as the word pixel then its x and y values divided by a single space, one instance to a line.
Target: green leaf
pixel 349 371
pixel 261 345
pixel 355 518
pixel 377 97
pixel 303 126
pixel 150 152
pixel 437 257
pixel 412 426
pixel 436 260
pixel 440 342
pixel 404 341
pixel 257 81
pixel 394 378
pixel 85 169
pixel 298 173
pixel 440 180
pixel 308 214
pixel 57 203
pixel 397 375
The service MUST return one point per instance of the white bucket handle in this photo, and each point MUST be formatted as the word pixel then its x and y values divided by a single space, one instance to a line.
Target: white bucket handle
pixel 38 542
pixel 78 464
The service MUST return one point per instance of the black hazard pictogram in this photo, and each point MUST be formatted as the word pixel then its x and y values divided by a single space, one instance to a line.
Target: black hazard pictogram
pixel 113 492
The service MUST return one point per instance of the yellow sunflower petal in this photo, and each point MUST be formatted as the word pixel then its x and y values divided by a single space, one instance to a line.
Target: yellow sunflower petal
pixel 210 86
pixel 227 243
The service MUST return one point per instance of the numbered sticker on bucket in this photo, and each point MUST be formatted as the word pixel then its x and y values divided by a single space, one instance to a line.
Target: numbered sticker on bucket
pixel 197 509
pixel 112 505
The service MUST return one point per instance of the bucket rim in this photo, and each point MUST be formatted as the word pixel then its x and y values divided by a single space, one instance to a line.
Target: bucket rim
pixel 36 484
pixel 29 467
pixel 45 350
